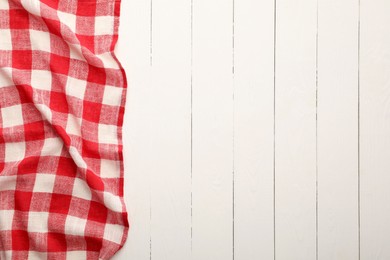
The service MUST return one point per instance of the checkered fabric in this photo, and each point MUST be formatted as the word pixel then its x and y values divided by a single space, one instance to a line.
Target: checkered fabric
pixel 62 97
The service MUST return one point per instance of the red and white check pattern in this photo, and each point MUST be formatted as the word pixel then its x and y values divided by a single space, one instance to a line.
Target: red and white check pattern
pixel 62 97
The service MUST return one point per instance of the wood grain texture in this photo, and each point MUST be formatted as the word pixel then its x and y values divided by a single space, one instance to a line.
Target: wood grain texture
pixel 295 131
pixel 375 129
pixel 133 50
pixel 338 129
pixel 257 129
pixel 212 130
pixel 253 129
pixel 171 124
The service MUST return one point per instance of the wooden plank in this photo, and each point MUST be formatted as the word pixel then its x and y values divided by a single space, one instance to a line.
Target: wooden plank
pixel 212 112
pixel 338 129
pixel 253 129
pixel 133 52
pixel 375 129
pixel 171 130
pixel 295 136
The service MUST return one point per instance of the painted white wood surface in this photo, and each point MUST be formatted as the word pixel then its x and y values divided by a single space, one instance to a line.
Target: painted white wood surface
pixel 171 126
pixel 253 129
pixel 257 129
pixel 212 130
pixel 375 129
pixel 133 51
pixel 295 130
pixel 337 129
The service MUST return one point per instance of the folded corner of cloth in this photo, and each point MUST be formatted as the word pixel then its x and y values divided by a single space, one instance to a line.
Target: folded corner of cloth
pixel 62 103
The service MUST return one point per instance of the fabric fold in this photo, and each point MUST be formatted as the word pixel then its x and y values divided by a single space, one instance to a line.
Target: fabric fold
pixel 62 103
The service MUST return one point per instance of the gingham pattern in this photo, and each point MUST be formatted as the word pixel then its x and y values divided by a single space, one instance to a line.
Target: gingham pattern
pixel 62 97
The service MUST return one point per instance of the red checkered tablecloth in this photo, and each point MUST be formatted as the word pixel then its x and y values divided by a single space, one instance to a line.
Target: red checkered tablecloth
pixel 62 97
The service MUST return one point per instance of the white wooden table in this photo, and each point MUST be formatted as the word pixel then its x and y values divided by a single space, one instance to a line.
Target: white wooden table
pixel 257 129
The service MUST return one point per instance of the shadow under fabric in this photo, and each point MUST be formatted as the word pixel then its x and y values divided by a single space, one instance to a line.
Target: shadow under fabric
pixel 62 98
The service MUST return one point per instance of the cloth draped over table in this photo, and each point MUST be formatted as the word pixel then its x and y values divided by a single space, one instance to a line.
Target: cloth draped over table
pixel 62 98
